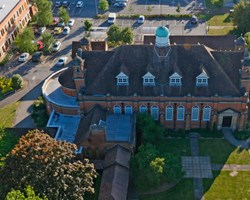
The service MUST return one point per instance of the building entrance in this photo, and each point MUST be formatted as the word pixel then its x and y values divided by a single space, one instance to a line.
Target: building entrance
pixel 226 122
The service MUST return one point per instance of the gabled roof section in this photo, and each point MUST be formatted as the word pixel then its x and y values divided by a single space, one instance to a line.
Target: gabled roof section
pixel 148 75
pixel 121 75
pixel 175 75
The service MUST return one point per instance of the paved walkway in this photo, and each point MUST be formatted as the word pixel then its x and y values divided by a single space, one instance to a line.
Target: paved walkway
pixel 230 138
pixel 230 167
pixel 198 186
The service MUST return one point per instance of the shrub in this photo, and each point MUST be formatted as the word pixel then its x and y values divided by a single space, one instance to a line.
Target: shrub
pixel 241 135
pixel 6 58
pixel 39 113
pixel 16 81
pixel 87 25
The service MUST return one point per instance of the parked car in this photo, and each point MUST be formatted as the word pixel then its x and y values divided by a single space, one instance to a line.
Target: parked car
pixel 56 46
pixel 71 22
pixel 65 4
pixel 141 19
pixel 58 4
pixel 41 30
pixel 120 5
pixel 194 20
pixel 66 30
pixel 37 57
pixel 121 1
pixel 40 45
pixel 61 24
pixel 62 61
pixel 79 4
pixel 23 57
pixel 55 20
pixel 57 30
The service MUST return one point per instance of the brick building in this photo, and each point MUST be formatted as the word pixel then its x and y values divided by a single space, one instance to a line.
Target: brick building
pixel 14 16
pixel 182 84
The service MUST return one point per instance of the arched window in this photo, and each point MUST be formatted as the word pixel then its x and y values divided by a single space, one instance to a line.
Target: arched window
pixel 117 109
pixel 143 109
pixel 155 112
pixel 206 113
pixel 195 113
pixel 169 113
pixel 180 113
pixel 128 110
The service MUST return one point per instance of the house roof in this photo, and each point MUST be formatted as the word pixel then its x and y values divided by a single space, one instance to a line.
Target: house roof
pixel 96 114
pixel 119 128
pixel 115 178
pixel 225 42
pixel 117 155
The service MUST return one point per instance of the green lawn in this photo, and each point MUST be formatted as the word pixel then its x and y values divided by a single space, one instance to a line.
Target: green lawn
pixel 220 20
pixel 183 190
pixel 224 186
pixel 7 114
pixel 179 147
pixel 220 31
pixel 220 151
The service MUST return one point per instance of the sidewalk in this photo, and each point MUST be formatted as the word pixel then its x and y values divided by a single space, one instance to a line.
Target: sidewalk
pixel 230 138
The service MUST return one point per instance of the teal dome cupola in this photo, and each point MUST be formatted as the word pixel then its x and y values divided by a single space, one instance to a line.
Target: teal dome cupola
pixel 162 36
pixel 162 31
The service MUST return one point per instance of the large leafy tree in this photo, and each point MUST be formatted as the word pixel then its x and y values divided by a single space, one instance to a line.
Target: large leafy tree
pixel 241 16
pixel 63 15
pixel 44 15
pixel 48 40
pixel 117 35
pixel 48 166
pixel 25 41
pixel 103 5
pixel 28 194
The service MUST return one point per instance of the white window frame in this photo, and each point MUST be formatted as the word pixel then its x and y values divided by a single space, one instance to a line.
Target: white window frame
pixel 148 79
pixel 128 110
pixel 195 113
pixel 143 109
pixel 115 110
pixel 175 82
pixel 206 116
pixel 180 109
pixel 155 112
pixel 169 113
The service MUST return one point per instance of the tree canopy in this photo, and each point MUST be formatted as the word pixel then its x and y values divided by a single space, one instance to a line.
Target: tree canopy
pixel 241 16
pixel 63 15
pixel 48 166
pixel 117 35
pixel 25 41
pixel 28 194
pixel 103 5
pixel 44 15
pixel 48 40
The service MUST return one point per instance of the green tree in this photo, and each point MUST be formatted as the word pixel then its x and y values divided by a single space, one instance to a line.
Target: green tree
pixel 114 34
pixel 217 3
pixel 25 41
pixel 178 9
pixel 49 166
pixel 247 38
pixel 127 35
pixel 28 194
pixel 63 15
pixel 48 40
pixel 87 25
pixel 39 113
pixel 241 16
pixel 158 165
pixel 44 15
pixel 16 81
pixel 103 5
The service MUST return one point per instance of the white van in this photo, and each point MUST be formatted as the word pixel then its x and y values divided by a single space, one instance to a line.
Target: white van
pixel 112 18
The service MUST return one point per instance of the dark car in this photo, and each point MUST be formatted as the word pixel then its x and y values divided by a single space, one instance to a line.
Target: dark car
pixel 120 5
pixel 65 4
pixel 37 57
pixel 194 20
pixel 58 3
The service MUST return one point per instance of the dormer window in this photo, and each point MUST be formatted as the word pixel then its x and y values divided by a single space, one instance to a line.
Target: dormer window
pixel 148 79
pixel 122 79
pixel 175 80
pixel 202 79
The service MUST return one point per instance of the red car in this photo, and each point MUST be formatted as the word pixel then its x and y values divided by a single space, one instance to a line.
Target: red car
pixel 55 21
pixel 39 45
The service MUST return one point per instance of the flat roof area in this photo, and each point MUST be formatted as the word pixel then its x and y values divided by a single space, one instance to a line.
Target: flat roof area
pixel 55 95
pixel 6 6
pixel 69 125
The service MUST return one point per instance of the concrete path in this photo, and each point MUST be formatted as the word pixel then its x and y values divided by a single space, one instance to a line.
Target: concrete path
pixel 230 167
pixel 198 186
pixel 230 138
